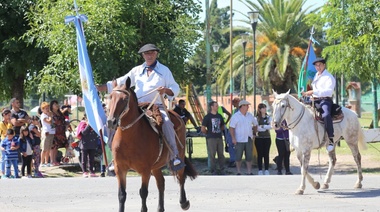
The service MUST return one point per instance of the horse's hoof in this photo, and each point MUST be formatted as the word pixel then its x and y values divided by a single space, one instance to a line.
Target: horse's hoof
pixel 185 206
pixel 316 185
pixel 325 186
pixel 299 192
pixel 358 185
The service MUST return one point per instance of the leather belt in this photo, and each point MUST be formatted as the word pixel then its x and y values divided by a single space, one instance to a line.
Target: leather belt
pixel 321 98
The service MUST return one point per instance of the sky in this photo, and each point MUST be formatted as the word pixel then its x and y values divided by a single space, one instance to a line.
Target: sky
pixel 238 6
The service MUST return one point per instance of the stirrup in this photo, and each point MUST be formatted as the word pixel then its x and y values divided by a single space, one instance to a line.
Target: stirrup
pixel 176 167
pixel 330 147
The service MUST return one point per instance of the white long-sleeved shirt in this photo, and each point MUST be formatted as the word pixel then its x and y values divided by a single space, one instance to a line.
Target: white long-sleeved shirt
pixel 323 84
pixel 161 76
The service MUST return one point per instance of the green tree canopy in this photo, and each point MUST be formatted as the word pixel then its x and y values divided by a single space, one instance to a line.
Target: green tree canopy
pixel 355 26
pixel 115 31
pixel 20 60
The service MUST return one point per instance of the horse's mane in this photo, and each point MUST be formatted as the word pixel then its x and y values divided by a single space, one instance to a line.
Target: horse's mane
pixel 287 95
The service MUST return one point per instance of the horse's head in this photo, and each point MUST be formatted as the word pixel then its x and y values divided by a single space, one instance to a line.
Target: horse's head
pixel 280 106
pixel 119 103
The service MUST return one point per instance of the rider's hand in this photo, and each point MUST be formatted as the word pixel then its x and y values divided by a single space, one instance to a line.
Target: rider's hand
pixel 161 90
pixel 307 93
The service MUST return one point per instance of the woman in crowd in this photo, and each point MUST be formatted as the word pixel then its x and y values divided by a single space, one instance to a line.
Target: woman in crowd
pixel 60 139
pixel 263 140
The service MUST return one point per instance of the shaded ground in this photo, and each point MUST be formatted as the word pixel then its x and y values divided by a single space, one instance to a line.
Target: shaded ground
pixel 318 166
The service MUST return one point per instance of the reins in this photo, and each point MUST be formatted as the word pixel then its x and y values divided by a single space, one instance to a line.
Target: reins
pixel 296 121
pixel 126 109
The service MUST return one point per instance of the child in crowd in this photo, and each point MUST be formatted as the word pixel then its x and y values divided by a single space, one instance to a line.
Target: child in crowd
pixel 88 144
pixel 10 146
pixel 47 136
pixel 34 129
pixel 26 143
pixel 4 126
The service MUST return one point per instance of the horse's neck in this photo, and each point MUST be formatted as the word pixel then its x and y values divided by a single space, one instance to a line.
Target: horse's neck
pixel 298 115
pixel 132 115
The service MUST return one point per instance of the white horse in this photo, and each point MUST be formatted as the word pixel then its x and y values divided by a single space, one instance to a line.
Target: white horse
pixel 307 134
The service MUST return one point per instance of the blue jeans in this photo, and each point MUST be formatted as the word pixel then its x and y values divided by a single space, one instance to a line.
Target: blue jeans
pixel 326 105
pixel 231 149
pixel 13 162
pixel 2 162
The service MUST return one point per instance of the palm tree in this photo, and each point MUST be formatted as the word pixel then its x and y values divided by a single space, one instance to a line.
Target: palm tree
pixel 279 55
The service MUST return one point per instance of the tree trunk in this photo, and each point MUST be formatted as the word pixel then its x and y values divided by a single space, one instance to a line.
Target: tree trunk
pixel 18 89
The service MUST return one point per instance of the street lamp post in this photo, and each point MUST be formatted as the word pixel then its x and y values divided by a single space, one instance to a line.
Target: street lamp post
pixel 254 17
pixel 215 47
pixel 244 37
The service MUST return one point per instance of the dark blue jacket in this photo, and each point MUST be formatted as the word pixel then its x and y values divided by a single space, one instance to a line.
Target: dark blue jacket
pixel 22 143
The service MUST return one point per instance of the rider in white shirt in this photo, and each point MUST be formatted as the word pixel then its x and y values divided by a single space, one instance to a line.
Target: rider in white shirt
pixel 323 88
pixel 147 77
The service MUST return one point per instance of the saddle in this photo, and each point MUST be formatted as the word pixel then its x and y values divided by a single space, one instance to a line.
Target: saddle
pixel 153 115
pixel 336 114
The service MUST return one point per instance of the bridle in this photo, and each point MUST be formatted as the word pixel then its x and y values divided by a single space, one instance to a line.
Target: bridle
pixel 126 109
pixel 296 121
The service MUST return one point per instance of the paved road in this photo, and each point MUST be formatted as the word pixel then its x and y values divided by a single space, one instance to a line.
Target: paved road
pixel 206 193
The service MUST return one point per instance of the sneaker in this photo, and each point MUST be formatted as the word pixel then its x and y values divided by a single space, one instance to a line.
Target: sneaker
pixel 232 164
pixel 176 162
pixel 29 176
pixel 330 147
pixel 38 175
pixel 260 172
pixel 279 173
pixel 266 172
pixel 111 167
pixel 44 165
pixel 48 165
pixel 102 174
pixel 289 173
pixel 93 175
pixel 85 174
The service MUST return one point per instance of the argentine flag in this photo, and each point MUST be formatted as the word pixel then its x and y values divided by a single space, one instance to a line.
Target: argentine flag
pixel 94 110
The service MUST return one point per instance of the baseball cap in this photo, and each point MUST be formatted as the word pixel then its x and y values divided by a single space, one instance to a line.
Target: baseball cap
pixel 243 102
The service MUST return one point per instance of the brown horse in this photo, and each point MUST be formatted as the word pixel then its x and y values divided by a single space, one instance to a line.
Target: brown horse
pixel 137 146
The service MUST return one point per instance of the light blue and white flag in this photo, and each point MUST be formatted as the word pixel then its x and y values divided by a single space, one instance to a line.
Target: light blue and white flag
pixel 94 110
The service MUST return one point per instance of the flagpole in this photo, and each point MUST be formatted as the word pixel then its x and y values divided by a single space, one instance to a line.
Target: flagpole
pixel 103 148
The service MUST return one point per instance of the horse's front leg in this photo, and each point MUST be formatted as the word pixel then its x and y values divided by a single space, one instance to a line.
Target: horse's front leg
pixel 185 204
pixel 160 182
pixel 121 176
pixel 304 159
pixel 330 171
pixel 144 190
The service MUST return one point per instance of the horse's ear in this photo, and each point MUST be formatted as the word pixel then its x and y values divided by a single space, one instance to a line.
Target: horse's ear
pixel 288 91
pixel 127 83
pixel 274 93
pixel 114 83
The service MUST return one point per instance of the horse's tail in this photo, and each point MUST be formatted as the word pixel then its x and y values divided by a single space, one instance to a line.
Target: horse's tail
pixel 361 140
pixel 190 170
